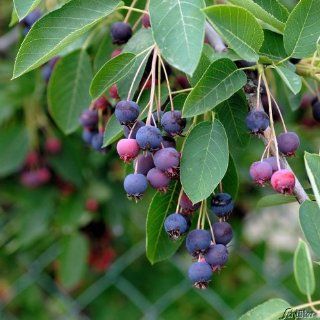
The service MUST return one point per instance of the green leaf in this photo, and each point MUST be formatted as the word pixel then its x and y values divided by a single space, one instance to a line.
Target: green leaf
pixel 232 114
pixel 275 200
pixel 24 7
pixel 73 259
pixel 309 214
pixel 230 181
pixel 271 12
pixel 270 310
pixel 303 269
pixel 159 246
pixel 220 81
pixel 178 29
pixel 112 132
pixel 204 160
pixel 312 163
pixel 202 66
pixel 291 79
pixel 58 29
pixel 68 90
pixel 13 148
pixel 302 29
pixel 111 72
pixel 272 47
pixel 238 28
pixel 104 51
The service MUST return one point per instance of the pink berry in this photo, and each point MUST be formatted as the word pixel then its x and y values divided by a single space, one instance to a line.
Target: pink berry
pixel 53 145
pixel 283 181
pixel 113 92
pixel 261 172
pixel 187 206
pixel 128 149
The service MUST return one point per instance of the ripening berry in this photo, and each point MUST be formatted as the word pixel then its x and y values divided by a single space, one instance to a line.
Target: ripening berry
pixel 316 110
pixel 149 138
pixel 89 119
pixel 222 204
pixel 216 256
pixel 200 274
pixel 283 181
pixel 127 112
pixel 113 92
pixel 175 225
pixel 135 185
pixel 187 206
pixel 168 160
pixel 173 123
pixel 132 132
pixel 198 242
pixel 127 149
pixel 53 145
pixel 257 121
pixel 146 21
pixel 288 143
pixel 143 163
pixel 261 172
pixel 222 232
pixel 101 103
pixel 158 180
pixel 92 205
pixel 274 163
pixel 121 32
pixel 32 159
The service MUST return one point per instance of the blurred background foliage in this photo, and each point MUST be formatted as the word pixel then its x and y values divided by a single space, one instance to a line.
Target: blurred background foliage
pixel 74 247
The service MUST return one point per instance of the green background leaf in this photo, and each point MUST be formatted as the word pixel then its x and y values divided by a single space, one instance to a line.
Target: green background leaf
pixel 312 163
pixel 290 78
pixel 272 47
pixel 24 7
pixel 204 160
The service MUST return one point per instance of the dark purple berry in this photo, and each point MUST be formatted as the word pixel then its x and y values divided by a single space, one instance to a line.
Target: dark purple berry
pixel 149 138
pixel 222 204
pixel 168 142
pixel 257 121
pixel 173 123
pixel 128 149
pixel 186 204
pixel 288 143
pixel 274 163
pixel 135 185
pixel 198 242
pixel 121 32
pixel 87 135
pixel 143 163
pixel 261 172
pixel 222 232
pixel 217 256
pixel 158 180
pixel 168 160
pixel 89 119
pixel 127 112
pixel 175 225
pixel 294 60
pixel 200 274
pixel 132 132
pixel 316 111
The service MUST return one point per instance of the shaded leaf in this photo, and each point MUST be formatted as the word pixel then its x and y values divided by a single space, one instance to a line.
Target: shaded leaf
pixel 230 181
pixel 312 163
pixel 290 78
pixel 24 7
pixel 275 200
pixel 273 47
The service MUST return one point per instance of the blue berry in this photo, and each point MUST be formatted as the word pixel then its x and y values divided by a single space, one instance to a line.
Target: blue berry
pixel 121 32
pixel 97 142
pixel 133 130
pixel 173 123
pixel 156 116
pixel 257 121
pixel 127 112
pixel 200 274
pixel 288 143
pixel 222 204
pixel 168 160
pixel 222 232
pixel 32 18
pixel 158 180
pixel 87 135
pixel 198 242
pixel 149 138
pixel 217 256
pixel 135 185
pixel 144 163
pixel 89 119
pixel 175 225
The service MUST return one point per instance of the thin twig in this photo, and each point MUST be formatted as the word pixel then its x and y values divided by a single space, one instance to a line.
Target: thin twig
pixel 167 80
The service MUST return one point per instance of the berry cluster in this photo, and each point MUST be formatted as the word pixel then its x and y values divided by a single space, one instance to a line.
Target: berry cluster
pixel 209 248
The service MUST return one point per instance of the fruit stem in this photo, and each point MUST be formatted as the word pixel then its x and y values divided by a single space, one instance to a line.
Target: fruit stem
pixel 159 90
pixel 280 113
pixel 266 149
pixel 182 91
pixel 179 199
pixel 209 222
pixel 305 82
pixel 199 217
pixel 143 87
pixel 312 305
pixel 130 10
pixel 153 85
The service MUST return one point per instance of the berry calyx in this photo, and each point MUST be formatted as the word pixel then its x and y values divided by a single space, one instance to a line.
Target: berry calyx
pixel 143 163
pixel 168 160
pixel 222 232
pixel 135 185
pixel 217 256
pixel 173 123
pixel 222 204
pixel 257 121
pixel 288 143
pixel 198 242
pixel 127 112
pixel 283 181
pixel 149 138
pixel 175 226
pixel 121 32
pixel 158 180
pixel 261 172
pixel 186 204
pixel 128 149
pixel 200 274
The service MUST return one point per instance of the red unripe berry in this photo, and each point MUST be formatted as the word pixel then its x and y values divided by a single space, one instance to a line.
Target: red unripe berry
pixel 101 103
pixel 53 145
pixel 32 159
pixel 283 181
pixel 146 21
pixel 92 205
pixel 113 92
pixel 128 149
pixel 261 172
pixel 115 53
pixel 44 175
pixel 186 204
